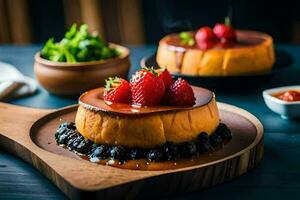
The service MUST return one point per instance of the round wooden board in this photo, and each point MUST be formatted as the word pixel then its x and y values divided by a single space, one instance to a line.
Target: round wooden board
pixel 244 133
pixel 79 178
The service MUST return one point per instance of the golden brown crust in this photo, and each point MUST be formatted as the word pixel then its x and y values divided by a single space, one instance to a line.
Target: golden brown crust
pixel 147 131
pixel 219 62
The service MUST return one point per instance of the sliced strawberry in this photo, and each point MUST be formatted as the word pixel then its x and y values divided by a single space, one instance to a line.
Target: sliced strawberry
pixel 117 90
pixel 166 77
pixel 147 88
pixel 181 94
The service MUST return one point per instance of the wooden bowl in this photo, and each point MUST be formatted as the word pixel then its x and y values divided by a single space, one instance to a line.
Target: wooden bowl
pixel 75 78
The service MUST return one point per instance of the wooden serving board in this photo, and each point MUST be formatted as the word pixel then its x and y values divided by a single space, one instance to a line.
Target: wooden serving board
pixel 29 134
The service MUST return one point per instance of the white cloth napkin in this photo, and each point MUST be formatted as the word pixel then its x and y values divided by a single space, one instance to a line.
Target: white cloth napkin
pixel 13 83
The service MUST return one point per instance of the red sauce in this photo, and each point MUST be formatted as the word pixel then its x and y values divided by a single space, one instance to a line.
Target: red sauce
pixel 290 95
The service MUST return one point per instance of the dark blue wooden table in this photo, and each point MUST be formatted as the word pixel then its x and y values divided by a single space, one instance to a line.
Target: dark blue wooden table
pixel 277 177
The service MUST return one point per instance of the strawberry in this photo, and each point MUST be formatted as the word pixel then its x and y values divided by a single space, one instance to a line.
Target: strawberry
pixel 206 45
pixel 205 38
pixel 181 94
pixel 225 32
pixel 117 90
pixel 166 77
pixel 147 88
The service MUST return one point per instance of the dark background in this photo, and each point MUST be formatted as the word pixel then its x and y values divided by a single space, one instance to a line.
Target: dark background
pixel 273 17
pixel 280 19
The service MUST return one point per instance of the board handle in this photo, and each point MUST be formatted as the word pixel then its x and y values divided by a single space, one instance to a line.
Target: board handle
pixel 16 119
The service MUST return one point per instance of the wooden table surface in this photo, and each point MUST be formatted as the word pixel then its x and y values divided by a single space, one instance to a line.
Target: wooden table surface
pixel 277 177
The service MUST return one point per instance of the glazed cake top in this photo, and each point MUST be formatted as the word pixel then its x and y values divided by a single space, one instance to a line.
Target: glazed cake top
pixel 93 100
pixel 244 39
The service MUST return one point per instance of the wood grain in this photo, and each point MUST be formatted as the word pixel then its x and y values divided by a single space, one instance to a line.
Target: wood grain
pixel 19 21
pixel 123 21
pixel 80 179
pixel 91 15
pixel 15 25
pixel 72 12
pixel 84 11
pixel 115 20
pixel 5 36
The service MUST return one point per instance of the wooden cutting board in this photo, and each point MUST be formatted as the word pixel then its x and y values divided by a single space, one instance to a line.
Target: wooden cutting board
pixel 29 134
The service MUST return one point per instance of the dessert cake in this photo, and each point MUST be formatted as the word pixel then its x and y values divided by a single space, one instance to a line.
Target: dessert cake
pixel 222 51
pixel 152 118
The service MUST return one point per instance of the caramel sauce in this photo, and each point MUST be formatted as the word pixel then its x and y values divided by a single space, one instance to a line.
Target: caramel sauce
pixel 144 164
pixel 93 100
pixel 244 39
pixel 290 95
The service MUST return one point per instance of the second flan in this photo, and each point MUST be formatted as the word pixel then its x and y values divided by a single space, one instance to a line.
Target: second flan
pixel 252 53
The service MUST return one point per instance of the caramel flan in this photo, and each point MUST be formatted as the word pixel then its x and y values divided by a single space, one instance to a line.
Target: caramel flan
pixel 151 118
pixel 145 127
pixel 253 52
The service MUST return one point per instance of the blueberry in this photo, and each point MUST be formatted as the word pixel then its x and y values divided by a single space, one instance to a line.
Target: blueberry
pixel 84 146
pixel 61 130
pixel 63 139
pixel 155 155
pixel 215 140
pixel 188 149
pixel 136 154
pixel 118 152
pixel 203 136
pixel 77 141
pixel 171 151
pixel 63 125
pixel 224 132
pixel 67 125
pixel 74 142
pixel 71 125
pixel 100 152
pixel 71 134
pixel 71 141
pixel 203 146
pixel 94 146
pixel 56 136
